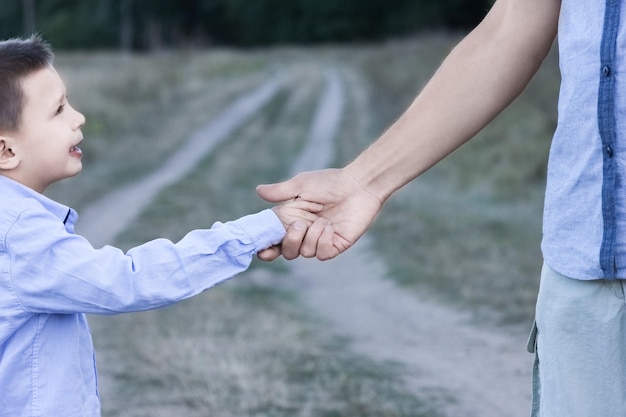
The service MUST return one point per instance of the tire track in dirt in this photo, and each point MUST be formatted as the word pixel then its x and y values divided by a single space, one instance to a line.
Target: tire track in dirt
pixel 473 371
pixel 484 372
pixel 104 219
pixel 318 150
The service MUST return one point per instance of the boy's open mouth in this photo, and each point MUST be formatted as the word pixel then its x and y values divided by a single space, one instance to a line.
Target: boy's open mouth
pixel 76 151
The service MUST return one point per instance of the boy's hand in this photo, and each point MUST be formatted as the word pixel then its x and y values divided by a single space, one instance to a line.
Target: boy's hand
pixel 297 216
pixel 348 210
pixel 297 209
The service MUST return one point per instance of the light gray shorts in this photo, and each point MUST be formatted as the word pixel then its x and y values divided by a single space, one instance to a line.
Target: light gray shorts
pixel 580 345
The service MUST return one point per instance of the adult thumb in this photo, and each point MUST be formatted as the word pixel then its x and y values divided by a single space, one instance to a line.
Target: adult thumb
pixel 277 192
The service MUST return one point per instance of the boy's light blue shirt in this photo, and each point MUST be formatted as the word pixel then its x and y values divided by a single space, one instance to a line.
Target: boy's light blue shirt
pixel 50 277
pixel 585 206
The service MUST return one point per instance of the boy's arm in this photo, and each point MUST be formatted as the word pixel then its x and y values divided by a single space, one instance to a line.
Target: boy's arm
pixel 485 72
pixel 50 270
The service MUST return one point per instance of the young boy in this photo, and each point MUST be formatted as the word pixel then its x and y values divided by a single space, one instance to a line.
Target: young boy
pixel 50 277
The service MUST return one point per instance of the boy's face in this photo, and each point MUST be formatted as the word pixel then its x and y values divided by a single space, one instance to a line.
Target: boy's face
pixel 46 144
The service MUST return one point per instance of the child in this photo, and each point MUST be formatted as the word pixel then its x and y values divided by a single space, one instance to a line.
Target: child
pixel 50 277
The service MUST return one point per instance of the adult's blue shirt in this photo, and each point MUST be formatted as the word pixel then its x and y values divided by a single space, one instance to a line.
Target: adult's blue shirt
pixel 585 204
pixel 50 277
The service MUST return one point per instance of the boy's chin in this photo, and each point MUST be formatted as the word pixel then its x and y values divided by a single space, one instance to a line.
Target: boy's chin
pixel 71 173
pixel 78 171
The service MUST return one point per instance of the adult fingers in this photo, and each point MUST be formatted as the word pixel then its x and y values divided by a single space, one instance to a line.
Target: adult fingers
pixel 293 240
pixel 326 248
pixel 310 185
pixel 277 192
pixel 308 247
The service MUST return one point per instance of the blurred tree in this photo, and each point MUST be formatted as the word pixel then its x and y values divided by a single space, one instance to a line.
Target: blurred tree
pixel 11 20
pixel 29 16
pixel 153 24
pixel 76 24
pixel 126 25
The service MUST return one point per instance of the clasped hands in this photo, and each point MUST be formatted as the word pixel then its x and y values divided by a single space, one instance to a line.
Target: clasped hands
pixel 339 211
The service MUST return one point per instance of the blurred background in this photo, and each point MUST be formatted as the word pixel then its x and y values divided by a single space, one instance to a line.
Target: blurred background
pixel 149 75
pixel 155 24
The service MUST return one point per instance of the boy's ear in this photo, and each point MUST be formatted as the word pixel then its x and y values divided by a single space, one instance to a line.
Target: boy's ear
pixel 8 159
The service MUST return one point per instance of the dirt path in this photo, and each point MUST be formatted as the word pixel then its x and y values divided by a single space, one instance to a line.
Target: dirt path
pixel 483 372
pixel 101 221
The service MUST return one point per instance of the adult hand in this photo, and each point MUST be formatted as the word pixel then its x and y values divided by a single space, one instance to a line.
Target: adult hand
pixel 348 211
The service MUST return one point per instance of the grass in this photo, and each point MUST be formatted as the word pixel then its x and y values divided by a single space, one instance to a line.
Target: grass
pixel 222 188
pixel 140 108
pixel 467 231
pixel 244 348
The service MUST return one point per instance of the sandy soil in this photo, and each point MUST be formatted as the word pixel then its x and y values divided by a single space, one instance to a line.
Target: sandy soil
pixel 483 371
pixel 480 371
pixel 486 372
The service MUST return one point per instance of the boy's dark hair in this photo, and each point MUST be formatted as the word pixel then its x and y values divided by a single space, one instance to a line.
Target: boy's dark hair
pixel 18 59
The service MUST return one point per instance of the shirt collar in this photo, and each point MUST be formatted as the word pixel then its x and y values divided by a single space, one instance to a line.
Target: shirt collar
pixel 11 188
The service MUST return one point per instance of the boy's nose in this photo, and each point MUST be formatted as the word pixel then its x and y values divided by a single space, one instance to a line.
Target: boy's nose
pixel 80 120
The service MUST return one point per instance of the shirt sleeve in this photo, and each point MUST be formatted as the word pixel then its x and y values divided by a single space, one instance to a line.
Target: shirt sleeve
pixel 54 271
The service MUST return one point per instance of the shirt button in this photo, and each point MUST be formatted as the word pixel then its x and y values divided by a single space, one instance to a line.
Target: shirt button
pixel 609 151
pixel 606 70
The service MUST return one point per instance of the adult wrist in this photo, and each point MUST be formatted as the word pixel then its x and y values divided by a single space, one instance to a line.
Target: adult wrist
pixel 373 176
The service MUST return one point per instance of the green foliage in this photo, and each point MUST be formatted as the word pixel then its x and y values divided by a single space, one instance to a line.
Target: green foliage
pixel 153 24
pixel 77 24
pixel 10 19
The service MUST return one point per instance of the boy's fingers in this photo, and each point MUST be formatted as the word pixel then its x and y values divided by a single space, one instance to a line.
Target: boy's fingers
pixel 306 205
pixel 269 254
pixel 293 240
pixel 300 214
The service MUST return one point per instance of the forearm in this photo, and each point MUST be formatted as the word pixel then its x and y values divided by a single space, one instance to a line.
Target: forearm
pixel 478 79
pixel 61 273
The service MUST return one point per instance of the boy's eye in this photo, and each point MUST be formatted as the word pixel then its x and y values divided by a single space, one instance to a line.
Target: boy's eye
pixel 60 109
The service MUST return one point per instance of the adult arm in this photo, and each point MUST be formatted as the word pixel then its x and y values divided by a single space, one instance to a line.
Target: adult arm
pixel 481 76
